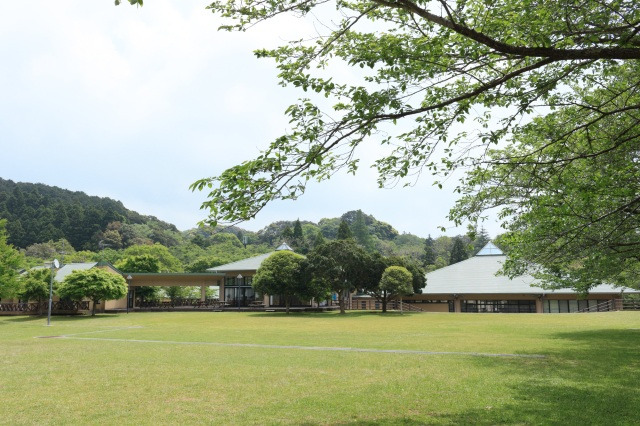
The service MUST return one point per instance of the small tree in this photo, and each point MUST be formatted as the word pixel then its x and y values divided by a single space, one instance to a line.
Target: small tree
pixel 396 281
pixel 281 273
pixel 94 284
pixel 35 286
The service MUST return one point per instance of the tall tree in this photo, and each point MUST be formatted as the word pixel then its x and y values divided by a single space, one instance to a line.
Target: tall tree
pixel 10 261
pixel 344 231
pixel 361 232
pixel 569 194
pixel 282 274
pixel 458 252
pixel 319 240
pixel 94 284
pixel 429 257
pixel 341 265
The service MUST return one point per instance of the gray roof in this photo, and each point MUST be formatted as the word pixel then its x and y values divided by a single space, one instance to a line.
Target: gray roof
pixel 62 273
pixel 250 264
pixel 477 275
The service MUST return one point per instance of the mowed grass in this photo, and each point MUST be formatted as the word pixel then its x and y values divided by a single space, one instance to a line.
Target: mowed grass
pixel 590 373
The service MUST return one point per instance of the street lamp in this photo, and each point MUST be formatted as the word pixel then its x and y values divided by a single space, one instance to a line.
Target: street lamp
pixel 129 278
pixel 55 264
pixel 239 278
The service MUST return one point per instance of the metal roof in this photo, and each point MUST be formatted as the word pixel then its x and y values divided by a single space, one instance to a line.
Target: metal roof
pixel 250 264
pixel 62 273
pixel 477 275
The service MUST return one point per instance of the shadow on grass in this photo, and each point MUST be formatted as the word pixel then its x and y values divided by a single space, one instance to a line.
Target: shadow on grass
pixel 593 379
pixel 334 315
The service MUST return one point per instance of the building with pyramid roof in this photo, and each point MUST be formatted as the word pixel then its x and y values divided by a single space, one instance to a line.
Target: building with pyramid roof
pixel 473 285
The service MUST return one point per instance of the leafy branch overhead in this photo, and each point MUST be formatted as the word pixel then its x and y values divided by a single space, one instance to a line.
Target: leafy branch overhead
pixel 532 97
pixel 427 68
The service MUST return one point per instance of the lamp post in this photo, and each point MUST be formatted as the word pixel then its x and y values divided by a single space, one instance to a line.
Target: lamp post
pixel 129 278
pixel 239 278
pixel 55 264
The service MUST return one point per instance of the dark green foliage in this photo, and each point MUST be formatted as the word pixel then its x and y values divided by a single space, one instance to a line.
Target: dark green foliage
pixel 341 265
pixel 282 273
pixel 10 261
pixel 361 232
pixel 319 240
pixel 395 281
pixel 418 279
pixel 429 257
pixel 38 213
pixel 458 252
pixel 204 263
pixel 95 284
pixel 344 231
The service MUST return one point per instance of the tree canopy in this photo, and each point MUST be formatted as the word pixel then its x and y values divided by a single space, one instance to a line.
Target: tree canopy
pixel 35 286
pixel 341 265
pixel 395 281
pixel 562 73
pixel 95 284
pixel 282 273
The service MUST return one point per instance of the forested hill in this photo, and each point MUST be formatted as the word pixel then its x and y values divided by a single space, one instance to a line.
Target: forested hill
pixel 38 213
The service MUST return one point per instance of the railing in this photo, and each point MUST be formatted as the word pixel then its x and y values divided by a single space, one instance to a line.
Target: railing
pixel 630 305
pixel 376 305
pixel 614 305
pixel 34 307
pixel 177 303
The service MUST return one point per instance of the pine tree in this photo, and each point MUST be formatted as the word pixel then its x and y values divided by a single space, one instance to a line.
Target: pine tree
pixel 458 252
pixel 361 232
pixel 429 257
pixel 344 232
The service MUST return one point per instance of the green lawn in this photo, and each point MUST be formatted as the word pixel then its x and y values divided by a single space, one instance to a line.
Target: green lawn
pixel 590 372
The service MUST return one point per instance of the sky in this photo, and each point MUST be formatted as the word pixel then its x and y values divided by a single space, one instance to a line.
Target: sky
pixel 135 104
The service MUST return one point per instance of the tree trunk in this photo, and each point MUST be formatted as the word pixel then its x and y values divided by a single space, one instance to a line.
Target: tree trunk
pixel 341 301
pixel 93 308
pixel 288 304
pixel 384 301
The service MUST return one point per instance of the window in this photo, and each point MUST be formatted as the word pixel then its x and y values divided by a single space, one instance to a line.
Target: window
pixel 504 306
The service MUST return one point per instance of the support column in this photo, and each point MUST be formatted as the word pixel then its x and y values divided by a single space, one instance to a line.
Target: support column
pixel 203 293
pixel 457 306
pixel 221 290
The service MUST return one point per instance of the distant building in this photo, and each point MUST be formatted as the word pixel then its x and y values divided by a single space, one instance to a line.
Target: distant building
pixel 473 286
